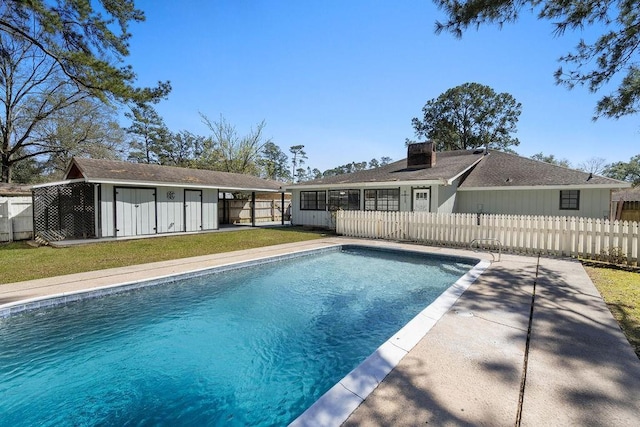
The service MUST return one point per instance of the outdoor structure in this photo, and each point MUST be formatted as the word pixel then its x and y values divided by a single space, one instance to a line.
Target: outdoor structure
pixel 463 181
pixel 625 205
pixel 106 198
pixel 16 220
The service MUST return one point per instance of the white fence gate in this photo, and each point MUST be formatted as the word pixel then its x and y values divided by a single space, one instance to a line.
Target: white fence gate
pixel 560 236
pixel 16 218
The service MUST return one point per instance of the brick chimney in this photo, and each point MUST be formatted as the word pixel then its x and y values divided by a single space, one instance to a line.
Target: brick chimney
pixel 421 155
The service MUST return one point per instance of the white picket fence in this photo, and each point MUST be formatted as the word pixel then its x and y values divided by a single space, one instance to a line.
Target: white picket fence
pixel 559 236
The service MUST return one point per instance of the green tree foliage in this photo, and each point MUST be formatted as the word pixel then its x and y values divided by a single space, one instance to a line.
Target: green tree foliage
pixel 469 116
pixel 46 119
pixel 550 158
pixel 228 151
pixel 594 64
pixel 28 171
pixel 54 57
pixel 356 167
pixel 86 41
pixel 274 163
pixel 181 149
pixel 297 160
pixel 148 134
pixel 303 175
pixel 625 171
pixel 87 128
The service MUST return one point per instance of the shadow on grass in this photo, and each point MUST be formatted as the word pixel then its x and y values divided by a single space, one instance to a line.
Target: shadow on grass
pixel 630 327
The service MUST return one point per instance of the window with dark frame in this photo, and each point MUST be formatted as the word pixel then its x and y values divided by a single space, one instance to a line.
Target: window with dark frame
pixel 570 200
pixel 346 200
pixel 382 200
pixel 313 200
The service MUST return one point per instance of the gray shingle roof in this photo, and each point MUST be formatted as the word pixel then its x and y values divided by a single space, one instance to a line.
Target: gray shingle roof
pixel 97 170
pixel 627 195
pixel 498 169
pixel 449 164
pixel 495 169
pixel 14 189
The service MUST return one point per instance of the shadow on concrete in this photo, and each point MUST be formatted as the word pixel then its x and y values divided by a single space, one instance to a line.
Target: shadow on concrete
pixel 580 362
pixel 467 370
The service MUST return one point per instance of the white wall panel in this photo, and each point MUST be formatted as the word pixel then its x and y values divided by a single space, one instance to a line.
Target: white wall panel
pixel 447 197
pixel 107 224
pixel 209 209
pixel 594 203
pixel 170 209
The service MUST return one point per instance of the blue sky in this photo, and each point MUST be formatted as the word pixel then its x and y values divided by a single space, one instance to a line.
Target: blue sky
pixel 345 78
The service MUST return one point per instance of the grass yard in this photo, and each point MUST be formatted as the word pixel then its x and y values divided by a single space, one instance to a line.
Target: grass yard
pixel 621 291
pixel 19 261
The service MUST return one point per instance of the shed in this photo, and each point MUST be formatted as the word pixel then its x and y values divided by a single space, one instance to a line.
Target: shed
pixel 107 198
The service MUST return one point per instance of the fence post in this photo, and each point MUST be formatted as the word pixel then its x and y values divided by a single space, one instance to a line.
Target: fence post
pixel 10 221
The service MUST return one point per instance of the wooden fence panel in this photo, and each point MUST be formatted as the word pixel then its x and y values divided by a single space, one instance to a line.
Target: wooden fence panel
pixel 558 236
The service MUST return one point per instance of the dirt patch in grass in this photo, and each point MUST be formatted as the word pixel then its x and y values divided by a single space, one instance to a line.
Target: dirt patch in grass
pixel 620 289
pixel 19 261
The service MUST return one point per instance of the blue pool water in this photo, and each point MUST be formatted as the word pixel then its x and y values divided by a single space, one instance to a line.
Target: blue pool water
pixel 253 346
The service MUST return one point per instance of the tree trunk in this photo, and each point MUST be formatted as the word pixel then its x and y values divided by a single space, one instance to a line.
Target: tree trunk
pixel 5 168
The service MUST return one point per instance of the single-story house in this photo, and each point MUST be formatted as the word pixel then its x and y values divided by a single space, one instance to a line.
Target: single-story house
pixel 462 181
pixel 106 198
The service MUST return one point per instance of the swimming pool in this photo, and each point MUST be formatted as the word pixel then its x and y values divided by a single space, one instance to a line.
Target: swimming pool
pixel 253 346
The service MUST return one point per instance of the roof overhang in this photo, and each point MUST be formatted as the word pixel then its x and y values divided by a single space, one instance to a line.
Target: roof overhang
pixel 127 183
pixel 376 184
pixel 549 187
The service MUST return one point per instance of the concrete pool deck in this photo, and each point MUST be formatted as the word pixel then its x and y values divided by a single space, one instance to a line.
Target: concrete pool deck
pixel 468 369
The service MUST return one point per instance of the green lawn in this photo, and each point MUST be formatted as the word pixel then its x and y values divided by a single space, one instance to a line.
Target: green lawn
pixel 19 261
pixel 621 291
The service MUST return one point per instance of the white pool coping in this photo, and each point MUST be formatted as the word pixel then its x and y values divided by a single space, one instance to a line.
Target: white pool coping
pixel 336 405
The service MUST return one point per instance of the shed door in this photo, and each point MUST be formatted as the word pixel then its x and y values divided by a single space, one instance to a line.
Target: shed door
pixel 421 200
pixel 192 210
pixel 135 211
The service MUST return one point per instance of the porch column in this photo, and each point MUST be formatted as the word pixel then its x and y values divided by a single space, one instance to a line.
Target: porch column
pixel 282 210
pixel 253 208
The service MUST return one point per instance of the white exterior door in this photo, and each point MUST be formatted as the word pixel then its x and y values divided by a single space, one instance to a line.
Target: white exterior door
pixel 135 211
pixel 422 200
pixel 192 210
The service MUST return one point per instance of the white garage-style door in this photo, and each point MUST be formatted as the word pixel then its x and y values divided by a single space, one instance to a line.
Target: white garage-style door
pixel 135 211
pixel 192 210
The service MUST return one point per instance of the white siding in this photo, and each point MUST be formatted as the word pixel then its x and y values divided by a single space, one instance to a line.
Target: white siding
pixel 107 225
pixel 209 209
pixel 309 218
pixel 405 198
pixel 447 197
pixel 594 203
pixel 170 210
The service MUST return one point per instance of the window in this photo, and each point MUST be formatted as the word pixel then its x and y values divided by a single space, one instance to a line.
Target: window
pixel 570 199
pixel 347 200
pixel 313 200
pixel 382 200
